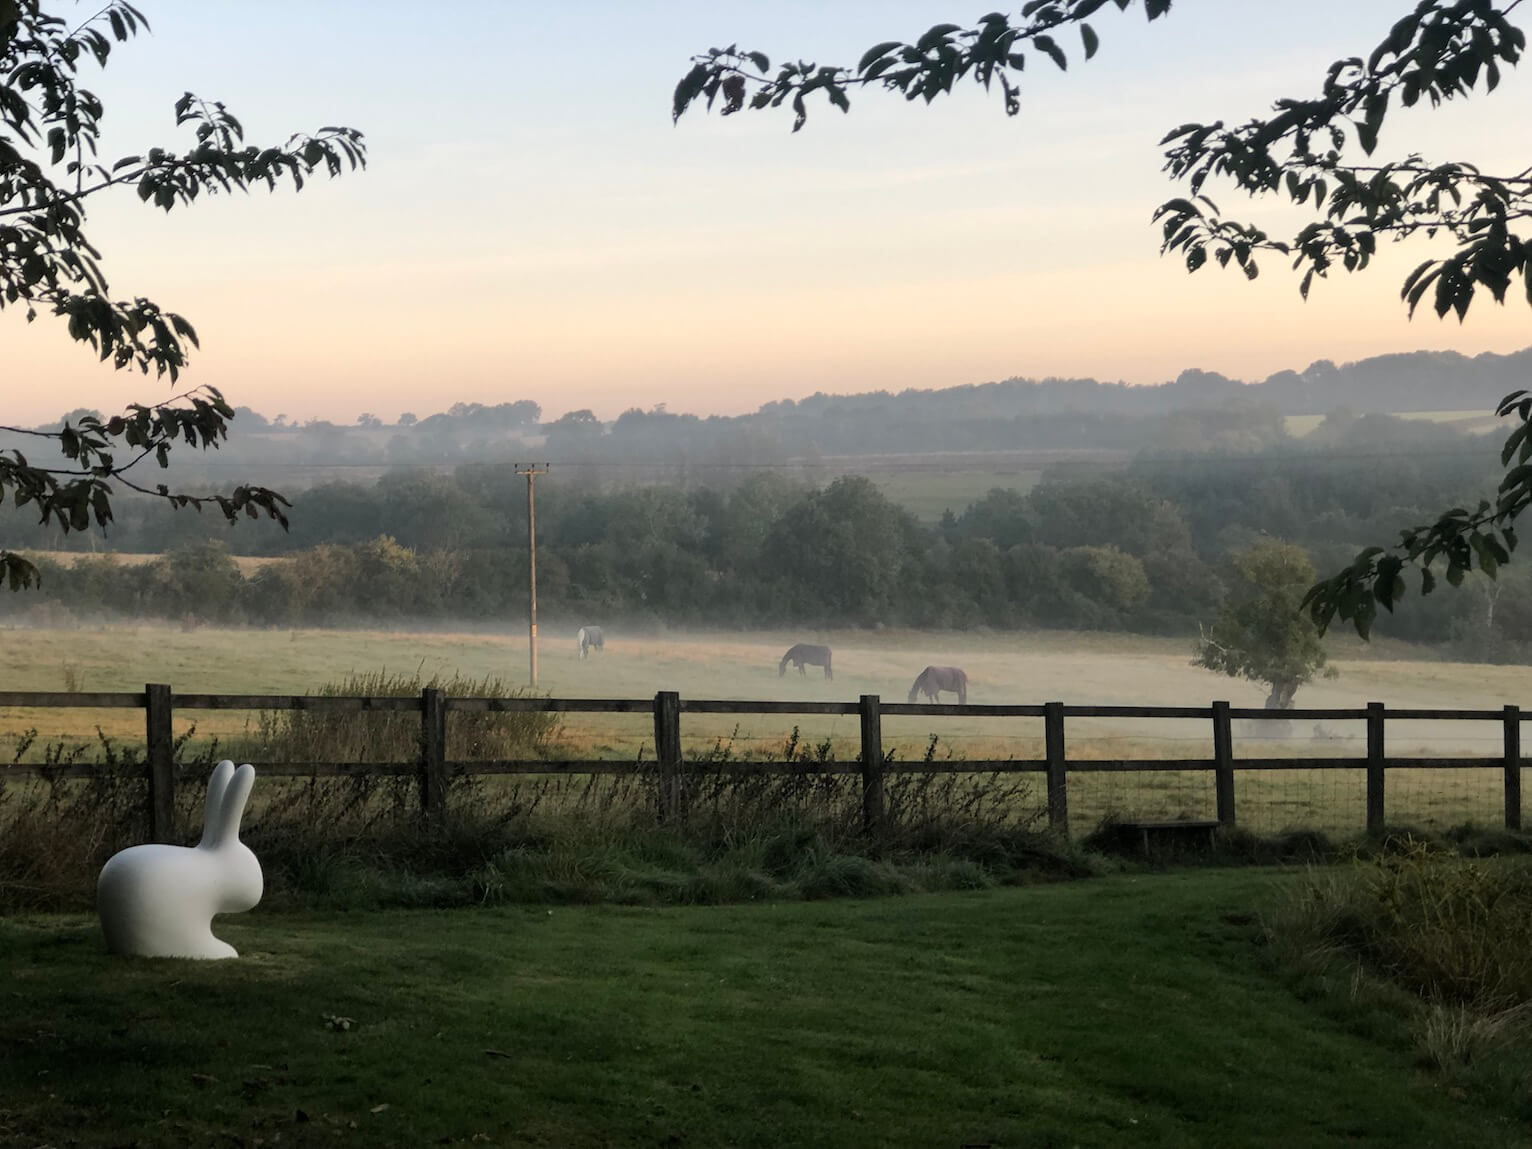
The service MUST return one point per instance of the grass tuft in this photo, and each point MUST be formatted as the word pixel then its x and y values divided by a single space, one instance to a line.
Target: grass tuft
pixel 394 736
pixel 1443 940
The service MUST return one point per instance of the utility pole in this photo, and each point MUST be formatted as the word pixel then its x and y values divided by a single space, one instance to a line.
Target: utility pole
pixel 531 471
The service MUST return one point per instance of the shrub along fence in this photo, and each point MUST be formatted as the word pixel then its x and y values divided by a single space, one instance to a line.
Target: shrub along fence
pixel 434 768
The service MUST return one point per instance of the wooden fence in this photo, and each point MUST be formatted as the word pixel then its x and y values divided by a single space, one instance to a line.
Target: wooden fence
pixel 433 768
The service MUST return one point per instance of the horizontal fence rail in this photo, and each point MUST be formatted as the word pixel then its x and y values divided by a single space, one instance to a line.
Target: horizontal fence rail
pixel 434 768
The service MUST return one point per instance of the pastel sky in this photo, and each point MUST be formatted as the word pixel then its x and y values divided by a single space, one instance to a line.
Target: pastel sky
pixel 531 224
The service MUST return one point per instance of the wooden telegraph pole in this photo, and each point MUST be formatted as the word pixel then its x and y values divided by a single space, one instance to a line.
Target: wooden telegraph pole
pixel 531 471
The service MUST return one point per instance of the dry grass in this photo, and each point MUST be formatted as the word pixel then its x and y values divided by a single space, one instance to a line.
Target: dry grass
pixel 248 564
pixel 394 736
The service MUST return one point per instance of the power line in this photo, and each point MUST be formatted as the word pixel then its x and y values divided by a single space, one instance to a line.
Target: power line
pixel 879 462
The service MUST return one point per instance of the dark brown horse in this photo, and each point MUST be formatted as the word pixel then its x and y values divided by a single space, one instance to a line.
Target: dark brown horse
pixel 805 654
pixel 934 679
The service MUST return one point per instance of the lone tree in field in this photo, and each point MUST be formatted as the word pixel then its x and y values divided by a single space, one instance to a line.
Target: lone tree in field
pixel 1317 151
pixel 1260 633
pixel 50 171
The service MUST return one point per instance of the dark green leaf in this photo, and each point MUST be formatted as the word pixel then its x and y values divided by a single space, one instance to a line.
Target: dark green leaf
pixel 1046 44
pixel 875 53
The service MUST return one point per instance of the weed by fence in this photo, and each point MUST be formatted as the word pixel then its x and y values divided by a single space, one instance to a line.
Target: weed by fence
pixel 393 736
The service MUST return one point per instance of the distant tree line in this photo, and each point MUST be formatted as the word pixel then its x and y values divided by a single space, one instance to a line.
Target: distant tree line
pixel 769 551
pixel 1144 547
pixel 1198 411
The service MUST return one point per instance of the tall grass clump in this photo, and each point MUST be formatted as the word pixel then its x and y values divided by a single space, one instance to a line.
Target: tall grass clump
pixel 791 827
pixel 360 838
pixel 934 809
pixel 1444 927
pixel 394 735
pixel 1449 935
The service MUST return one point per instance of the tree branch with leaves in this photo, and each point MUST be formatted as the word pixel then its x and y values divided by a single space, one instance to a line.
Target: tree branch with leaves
pixel 1307 152
pixel 995 51
pixel 50 134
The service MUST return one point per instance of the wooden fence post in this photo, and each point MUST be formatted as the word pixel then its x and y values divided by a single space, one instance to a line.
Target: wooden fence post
pixel 1376 763
pixel 1058 783
pixel 1513 768
pixel 873 810
pixel 160 738
pixel 1223 764
pixel 433 754
pixel 667 753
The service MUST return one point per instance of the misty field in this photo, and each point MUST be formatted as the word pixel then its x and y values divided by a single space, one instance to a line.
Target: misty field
pixel 1077 668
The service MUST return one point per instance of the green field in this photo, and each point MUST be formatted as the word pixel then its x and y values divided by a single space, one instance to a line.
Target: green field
pixel 927 494
pixel 1128 1011
pixel 1030 667
pixel 930 483
pixel 1474 422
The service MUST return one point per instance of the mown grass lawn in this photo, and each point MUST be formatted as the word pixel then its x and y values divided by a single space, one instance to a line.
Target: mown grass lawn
pixel 1131 1011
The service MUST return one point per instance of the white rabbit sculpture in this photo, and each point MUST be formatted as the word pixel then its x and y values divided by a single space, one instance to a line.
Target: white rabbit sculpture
pixel 159 901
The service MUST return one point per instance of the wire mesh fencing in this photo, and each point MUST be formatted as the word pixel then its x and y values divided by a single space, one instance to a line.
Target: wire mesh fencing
pixel 1342 771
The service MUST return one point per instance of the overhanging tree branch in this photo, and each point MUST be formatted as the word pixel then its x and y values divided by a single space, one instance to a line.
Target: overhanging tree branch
pixel 49 123
pixel 1460 539
pixel 995 51
pixel 1441 50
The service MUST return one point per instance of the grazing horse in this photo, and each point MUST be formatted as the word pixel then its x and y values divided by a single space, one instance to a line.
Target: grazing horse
pixel 805 654
pixel 934 679
pixel 589 639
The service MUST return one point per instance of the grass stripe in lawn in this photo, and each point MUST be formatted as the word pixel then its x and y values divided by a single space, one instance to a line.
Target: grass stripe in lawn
pixel 1132 1011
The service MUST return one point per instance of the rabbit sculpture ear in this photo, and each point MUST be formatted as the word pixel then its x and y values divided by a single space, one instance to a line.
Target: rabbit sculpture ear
pixel 159 901
pixel 227 792
pixel 217 786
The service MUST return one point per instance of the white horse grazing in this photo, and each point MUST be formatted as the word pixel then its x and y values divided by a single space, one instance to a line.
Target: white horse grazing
pixel 589 639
